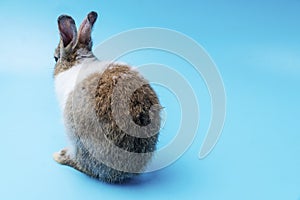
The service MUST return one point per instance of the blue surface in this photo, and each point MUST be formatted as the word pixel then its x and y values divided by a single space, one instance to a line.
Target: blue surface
pixel 256 48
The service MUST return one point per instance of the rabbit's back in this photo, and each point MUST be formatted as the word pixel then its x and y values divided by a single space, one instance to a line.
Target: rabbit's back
pixel 95 130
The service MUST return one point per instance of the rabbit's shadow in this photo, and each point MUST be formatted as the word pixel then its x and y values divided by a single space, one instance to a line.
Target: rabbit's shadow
pixel 147 179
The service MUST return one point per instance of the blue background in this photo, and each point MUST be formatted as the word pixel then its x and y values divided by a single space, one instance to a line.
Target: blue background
pixel 256 46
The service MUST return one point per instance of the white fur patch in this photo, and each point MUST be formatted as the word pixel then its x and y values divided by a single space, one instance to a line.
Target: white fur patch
pixel 66 81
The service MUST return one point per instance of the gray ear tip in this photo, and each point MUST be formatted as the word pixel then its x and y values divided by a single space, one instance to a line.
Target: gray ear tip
pixel 92 17
pixel 65 17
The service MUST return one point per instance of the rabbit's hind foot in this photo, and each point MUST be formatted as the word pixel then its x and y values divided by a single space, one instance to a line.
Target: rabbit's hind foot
pixel 63 157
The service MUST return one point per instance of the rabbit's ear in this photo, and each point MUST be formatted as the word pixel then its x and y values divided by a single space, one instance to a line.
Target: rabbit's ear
pixel 67 29
pixel 85 30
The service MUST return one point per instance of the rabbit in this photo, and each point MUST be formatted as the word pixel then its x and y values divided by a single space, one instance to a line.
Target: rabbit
pixel 110 112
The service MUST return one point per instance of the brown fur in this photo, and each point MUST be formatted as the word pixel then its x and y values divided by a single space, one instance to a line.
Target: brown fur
pixel 140 103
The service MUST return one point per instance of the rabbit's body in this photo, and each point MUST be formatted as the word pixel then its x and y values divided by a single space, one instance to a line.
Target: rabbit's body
pixel 103 144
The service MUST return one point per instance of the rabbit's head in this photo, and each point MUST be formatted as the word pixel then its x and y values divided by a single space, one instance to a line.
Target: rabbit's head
pixel 73 46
